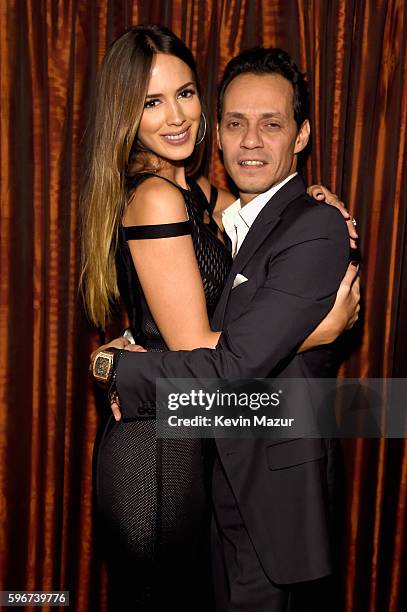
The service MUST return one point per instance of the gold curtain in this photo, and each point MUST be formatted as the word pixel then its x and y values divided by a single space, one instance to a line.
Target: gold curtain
pixel 354 53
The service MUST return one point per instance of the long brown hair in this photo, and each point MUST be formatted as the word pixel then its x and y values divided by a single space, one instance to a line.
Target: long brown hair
pixel 113 147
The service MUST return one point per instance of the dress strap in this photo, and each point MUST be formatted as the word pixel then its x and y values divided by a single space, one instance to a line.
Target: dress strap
pixel 212 199
pixel 163 230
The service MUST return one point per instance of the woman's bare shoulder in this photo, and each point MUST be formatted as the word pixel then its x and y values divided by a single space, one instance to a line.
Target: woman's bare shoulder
pixel 155 201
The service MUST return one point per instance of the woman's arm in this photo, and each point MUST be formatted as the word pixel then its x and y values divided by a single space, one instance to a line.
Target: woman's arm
pixel 167 268
pixel 318 192
pixel 343 315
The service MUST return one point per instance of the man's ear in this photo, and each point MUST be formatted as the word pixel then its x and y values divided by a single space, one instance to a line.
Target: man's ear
pixel 302 137
pixel 218 137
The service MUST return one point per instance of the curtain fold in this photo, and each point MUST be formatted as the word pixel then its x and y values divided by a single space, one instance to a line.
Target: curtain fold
pixel 354 54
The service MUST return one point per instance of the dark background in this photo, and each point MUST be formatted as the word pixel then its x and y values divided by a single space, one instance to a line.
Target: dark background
pixel 354 53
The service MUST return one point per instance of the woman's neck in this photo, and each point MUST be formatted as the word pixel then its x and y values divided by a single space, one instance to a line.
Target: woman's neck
pixel 174 171
pixel 175 174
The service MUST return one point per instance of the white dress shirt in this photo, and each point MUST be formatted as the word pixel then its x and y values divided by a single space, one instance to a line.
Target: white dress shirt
pixel 237 219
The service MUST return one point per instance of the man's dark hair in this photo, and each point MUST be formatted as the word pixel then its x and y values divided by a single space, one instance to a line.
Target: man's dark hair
pixel 261 60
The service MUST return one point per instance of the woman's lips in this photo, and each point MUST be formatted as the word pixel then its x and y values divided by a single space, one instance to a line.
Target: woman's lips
pixel 178 138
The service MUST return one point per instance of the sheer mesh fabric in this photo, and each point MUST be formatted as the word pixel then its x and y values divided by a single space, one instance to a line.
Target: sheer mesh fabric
pixel 152 493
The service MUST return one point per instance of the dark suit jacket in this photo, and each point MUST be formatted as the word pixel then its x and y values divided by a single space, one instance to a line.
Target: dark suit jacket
pixel 294 256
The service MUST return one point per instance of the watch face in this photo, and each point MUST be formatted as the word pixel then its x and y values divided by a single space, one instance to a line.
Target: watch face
pixel 103 364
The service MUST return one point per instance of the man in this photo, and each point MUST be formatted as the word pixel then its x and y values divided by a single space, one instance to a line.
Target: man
pixel 290 254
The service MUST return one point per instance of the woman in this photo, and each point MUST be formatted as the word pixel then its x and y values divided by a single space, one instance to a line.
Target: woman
pixel 145 238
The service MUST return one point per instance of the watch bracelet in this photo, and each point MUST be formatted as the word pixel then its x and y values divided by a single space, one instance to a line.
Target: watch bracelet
pixel 112 391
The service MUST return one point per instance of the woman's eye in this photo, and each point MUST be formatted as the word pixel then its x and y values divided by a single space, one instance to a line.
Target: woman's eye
pixel 187 93
pixel 233 124
pixel 151 103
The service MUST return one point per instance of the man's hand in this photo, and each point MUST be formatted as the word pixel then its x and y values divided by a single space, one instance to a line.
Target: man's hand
pixel 342 316
pixel 135 348
pixel 114 401
pixel 319 192
pixel 120 343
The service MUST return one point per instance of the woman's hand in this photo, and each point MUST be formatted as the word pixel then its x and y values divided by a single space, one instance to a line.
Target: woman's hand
pixel 342 316
pixel 319 192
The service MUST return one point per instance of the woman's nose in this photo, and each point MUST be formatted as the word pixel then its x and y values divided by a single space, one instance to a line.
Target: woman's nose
pixel 175 114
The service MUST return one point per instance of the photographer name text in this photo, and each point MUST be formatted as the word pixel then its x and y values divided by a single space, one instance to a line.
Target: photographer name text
pixel 222 421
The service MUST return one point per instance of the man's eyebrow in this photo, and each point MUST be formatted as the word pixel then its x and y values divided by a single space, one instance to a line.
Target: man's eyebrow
pixel 262 116
pixel 235 114
pixel 271 115
pixel 157 95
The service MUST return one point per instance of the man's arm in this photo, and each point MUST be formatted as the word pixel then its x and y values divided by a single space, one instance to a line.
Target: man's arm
pixel 299 291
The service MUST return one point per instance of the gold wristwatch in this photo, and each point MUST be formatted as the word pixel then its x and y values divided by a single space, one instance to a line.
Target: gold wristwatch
pixel 104 365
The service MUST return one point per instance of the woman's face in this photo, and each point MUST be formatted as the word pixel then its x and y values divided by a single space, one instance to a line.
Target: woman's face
pixel 172 110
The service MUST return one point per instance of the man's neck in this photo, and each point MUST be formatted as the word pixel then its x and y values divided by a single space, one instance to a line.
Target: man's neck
pixel 245 198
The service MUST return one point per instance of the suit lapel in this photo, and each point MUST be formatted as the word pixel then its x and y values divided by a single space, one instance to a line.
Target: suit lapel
pixel 263 225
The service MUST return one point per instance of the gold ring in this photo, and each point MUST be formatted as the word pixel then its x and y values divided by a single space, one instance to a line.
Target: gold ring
pixel 353 221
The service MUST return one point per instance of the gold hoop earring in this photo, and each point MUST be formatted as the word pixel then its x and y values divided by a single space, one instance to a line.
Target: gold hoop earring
pixel 198 142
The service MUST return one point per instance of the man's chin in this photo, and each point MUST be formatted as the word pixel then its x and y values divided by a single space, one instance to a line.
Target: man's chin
pixel 253 187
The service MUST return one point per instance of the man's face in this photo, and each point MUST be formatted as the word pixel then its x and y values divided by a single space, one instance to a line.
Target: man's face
pixel 258 133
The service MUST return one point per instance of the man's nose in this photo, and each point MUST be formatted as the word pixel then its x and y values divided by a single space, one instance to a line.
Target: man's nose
pixel 251 138
pixel 175 115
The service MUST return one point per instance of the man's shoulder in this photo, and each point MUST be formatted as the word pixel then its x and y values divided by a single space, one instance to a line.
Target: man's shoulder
pixel 308 206
pixel 309 214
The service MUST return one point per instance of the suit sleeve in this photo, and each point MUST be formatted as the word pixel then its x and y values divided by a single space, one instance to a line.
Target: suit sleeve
pixel 299 290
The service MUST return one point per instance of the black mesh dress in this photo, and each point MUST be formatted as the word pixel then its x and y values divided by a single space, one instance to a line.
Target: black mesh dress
pixel 152 493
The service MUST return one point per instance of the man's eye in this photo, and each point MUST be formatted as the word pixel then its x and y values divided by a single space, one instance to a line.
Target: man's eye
pixel 272 124
pixel 187 93
pixel 233 124
pixel 151 103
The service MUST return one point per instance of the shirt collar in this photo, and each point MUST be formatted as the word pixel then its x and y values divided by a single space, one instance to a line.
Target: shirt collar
pixel 249 212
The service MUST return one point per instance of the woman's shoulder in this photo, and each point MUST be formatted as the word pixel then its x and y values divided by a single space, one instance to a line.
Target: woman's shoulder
pixel 153 201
